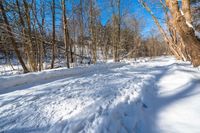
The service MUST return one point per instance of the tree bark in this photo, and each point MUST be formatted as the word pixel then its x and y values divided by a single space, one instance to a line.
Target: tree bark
pixel 32 60
pixel 53 34
pixel 92 36
pixel 118 29
pixel 66 33
pixel 187 11
pixel 186 33
pixel 81 28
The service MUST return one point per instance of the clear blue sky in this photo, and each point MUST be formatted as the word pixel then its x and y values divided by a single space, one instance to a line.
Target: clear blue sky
pixel 134 7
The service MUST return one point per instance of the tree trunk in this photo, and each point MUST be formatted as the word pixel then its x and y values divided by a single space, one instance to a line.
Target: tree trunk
pixel 186 33
pixel 81 28
pixel 186 10
pixel 12 38
pixel 92 36
pixel 118 30
pixel 32 60
pixel 168 41
pixel 66 33
pixel 53 34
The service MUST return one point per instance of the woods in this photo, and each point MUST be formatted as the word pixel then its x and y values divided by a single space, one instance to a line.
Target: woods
pixel 50 32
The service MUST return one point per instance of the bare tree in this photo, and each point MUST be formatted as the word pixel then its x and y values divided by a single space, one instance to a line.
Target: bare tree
pixel 92 31
pixel 12 38
pixel 53 35
pixel 66 32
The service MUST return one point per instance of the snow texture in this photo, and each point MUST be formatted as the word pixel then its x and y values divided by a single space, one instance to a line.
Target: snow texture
pixel 160 95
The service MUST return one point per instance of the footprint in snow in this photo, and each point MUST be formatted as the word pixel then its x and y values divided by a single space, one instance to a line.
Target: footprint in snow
pixel 144 105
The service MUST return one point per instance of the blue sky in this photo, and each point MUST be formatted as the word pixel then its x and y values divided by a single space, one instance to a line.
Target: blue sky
pixel 134 7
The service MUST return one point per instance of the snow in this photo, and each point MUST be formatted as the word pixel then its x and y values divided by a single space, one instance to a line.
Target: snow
pixel 197 34
pixel 6 69
pixel 15 80
pixel 158 95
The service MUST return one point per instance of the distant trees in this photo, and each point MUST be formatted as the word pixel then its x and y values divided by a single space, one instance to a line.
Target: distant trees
pixel 72 35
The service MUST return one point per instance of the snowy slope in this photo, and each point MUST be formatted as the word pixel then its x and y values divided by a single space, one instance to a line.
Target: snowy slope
pixel 157 96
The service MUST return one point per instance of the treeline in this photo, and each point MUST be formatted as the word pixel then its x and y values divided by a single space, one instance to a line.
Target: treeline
pixel 40 31
pixel 45 31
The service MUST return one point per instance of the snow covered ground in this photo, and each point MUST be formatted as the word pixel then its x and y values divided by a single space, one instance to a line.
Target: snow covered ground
pixel 157 96
pixel 6 69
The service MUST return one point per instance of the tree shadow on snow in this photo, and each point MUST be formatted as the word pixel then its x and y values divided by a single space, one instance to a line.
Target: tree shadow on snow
pixel 131 115
pixel 155 103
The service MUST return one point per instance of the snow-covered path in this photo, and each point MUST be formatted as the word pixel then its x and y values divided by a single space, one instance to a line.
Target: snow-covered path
pixel 158 96
pixel 173 100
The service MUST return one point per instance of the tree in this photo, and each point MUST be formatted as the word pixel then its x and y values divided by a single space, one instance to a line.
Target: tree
pixel 31 51
pixel 181 26
pixel 53 34
pixel 116 18
pixel 92 31
pixel 184 30
pixel 66 32
pixel 14 44
pixel 81 27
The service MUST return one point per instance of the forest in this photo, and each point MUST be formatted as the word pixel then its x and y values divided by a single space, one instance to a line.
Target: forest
pixel 38 32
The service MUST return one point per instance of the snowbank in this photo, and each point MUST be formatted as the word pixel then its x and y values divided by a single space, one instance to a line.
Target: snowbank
pixel 15 80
